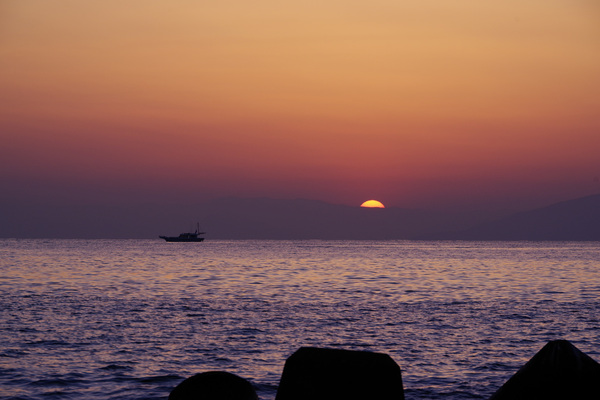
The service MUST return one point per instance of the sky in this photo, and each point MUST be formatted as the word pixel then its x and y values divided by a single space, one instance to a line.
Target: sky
pixel 418 104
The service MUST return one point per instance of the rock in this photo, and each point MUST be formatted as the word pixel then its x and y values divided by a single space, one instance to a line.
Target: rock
pixel 330 374
pixel 558 371
pixel 214 385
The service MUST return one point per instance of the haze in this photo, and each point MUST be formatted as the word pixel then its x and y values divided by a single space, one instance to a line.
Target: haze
pixel 419 104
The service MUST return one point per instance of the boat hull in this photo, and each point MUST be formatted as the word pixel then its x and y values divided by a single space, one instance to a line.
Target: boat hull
pixel 178 239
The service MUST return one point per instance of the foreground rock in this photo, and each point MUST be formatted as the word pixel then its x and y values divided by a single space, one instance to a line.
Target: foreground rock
pixel 558 371
pixel 328 374
pixel 214 385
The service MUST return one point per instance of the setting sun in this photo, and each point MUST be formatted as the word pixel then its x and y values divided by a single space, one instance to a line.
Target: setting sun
pixel 372 204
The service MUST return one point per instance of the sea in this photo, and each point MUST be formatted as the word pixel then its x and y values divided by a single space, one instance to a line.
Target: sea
pixel 130 319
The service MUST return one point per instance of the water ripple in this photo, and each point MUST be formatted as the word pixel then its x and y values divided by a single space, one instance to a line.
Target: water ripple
pixel 130 319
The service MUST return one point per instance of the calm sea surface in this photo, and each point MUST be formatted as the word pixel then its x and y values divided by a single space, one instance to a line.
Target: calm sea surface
pixel 130 319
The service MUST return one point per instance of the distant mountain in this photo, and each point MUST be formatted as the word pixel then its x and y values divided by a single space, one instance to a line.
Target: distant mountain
pixel 573 220
pixel 227 218
pixel 94 221
pixel 264 218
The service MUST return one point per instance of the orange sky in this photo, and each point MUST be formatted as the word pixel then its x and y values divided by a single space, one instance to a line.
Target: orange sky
pixel 414 103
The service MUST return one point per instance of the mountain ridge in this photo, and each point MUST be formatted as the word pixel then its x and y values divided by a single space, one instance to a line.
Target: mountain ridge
pixel 298 219
pixel 570 220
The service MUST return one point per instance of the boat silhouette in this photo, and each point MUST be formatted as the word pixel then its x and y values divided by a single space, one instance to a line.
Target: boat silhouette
pixel 186 236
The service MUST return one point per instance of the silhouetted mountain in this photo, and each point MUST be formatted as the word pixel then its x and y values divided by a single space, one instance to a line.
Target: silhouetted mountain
pixel 574 220
pixel 263 218
pixel 229 218
pixel 94 221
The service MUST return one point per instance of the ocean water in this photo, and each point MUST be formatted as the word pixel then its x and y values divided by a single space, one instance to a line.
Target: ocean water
pixel 130 319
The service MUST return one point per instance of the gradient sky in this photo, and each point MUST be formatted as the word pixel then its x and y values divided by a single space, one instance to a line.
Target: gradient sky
pixel 414 103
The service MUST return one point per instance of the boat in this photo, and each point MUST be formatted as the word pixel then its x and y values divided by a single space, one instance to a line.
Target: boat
pixel 186 237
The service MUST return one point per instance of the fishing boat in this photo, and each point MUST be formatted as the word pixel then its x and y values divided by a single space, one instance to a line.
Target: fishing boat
pixel 186 237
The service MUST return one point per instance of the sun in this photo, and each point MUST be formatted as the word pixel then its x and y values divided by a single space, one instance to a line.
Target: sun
pixel 372 204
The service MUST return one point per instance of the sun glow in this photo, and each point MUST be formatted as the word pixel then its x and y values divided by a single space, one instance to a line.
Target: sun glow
pixel 372 204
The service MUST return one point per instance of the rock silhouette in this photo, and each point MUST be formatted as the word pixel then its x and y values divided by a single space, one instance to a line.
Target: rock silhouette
pixel 558 371
pixel 214 385
pixel 330 374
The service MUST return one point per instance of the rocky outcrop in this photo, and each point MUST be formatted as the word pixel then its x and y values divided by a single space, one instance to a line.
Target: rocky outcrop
pixel 558 371
pixel 214 385
pixel 330 374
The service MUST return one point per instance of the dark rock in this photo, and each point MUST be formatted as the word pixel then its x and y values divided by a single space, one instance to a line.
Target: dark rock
pixel 214 385
pixel 329 374
pixel 558 371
